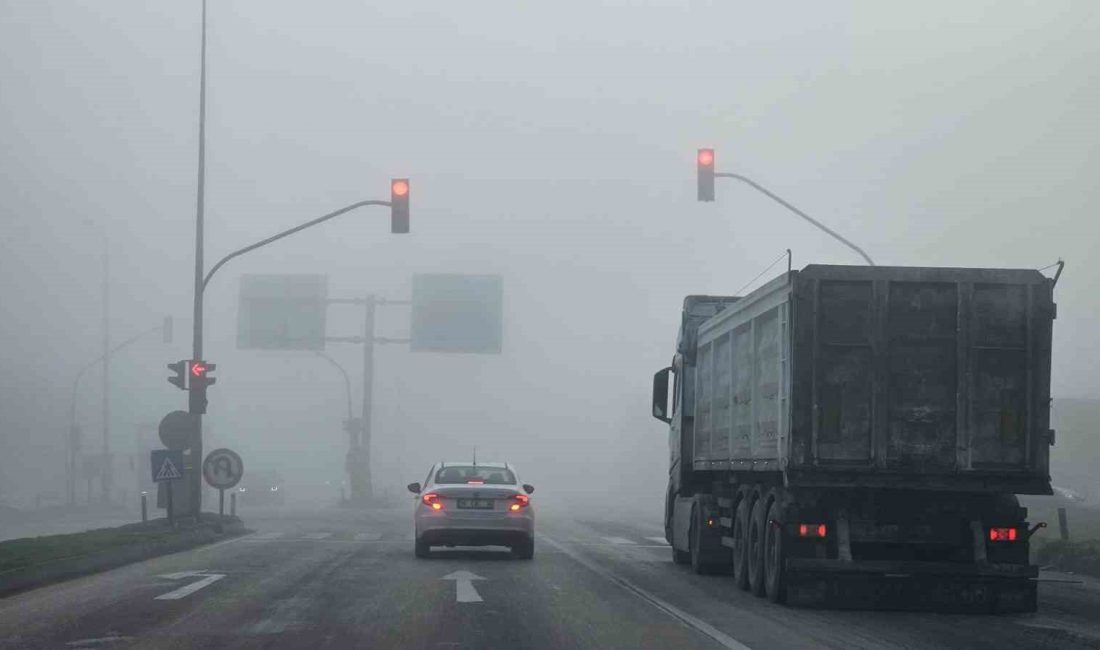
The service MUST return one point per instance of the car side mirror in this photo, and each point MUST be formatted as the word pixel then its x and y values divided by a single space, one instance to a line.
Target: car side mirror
pixel 414 488
pixel 528 488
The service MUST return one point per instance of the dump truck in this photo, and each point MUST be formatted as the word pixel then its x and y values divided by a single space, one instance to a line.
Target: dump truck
pixel 856 436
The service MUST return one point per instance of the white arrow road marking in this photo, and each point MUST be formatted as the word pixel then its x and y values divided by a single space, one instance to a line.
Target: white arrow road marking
pixel 618 540
pixel 207 580
pixel 464 586
pixel 659 540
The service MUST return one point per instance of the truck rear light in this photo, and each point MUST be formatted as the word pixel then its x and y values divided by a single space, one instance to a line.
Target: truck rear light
pixel 1002 534
pixel 812 531
pixel 519 501
pixel 431 500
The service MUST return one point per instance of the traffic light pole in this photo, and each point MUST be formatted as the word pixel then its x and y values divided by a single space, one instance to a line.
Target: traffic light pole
pixel 73 446
pixel 766 192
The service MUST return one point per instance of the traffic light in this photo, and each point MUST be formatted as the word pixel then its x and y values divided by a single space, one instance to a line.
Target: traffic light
pixel 399 205
pixel 180 380
pixel 704 163
pixel 200 380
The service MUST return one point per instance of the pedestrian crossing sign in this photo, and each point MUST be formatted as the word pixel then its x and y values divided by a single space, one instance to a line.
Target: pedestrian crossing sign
pixel 167 464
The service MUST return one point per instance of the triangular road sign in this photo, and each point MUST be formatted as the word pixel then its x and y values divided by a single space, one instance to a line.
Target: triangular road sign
pixel 168 471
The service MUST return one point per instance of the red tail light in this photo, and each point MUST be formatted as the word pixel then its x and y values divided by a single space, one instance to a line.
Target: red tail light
pixel 1002 534
pixel 812 531
pixel 431 500
pixel 519 501
pixel 475 481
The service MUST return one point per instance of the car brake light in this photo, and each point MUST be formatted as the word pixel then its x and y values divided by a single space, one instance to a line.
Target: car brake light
pixel 475 481
pixel 1002 534
pixel 812 530
pixel 519 501
pixel 431 500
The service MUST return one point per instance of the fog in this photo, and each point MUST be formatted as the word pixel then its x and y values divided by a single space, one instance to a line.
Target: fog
pixel 552 144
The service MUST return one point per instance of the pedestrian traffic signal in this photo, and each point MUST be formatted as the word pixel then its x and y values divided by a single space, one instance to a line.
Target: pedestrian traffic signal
pixel 200 380
pixel 704 163
pixel 180 379
pixel 399 205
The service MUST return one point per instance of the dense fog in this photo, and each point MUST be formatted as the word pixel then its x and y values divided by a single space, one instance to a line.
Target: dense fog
pixel 551 144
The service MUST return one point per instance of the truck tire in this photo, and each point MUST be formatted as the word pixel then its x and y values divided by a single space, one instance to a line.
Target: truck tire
pixel 775 557
pixel 740 551
pixel 757 523
pixel 695 543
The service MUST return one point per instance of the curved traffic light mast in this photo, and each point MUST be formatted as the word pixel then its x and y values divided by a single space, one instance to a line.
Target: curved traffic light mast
pixel 706 174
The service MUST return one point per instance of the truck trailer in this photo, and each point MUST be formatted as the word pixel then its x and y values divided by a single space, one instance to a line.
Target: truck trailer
pixel 856 436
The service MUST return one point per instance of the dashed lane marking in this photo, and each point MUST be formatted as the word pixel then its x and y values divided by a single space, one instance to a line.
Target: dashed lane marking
pixel 699 625
pixel 207 580
pixel 318 535
pixel 619 540
pixel 367 537
pixel 268 536
pixel 659 540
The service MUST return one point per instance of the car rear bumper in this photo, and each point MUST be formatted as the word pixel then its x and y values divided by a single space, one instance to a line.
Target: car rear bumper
pixel 475 531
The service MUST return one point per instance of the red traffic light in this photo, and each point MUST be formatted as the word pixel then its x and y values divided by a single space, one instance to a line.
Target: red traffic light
pixel 197 369
pixel 399 187
pixel 706 157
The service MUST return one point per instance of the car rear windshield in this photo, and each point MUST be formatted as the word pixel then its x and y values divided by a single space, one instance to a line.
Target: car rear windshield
pixel 471 474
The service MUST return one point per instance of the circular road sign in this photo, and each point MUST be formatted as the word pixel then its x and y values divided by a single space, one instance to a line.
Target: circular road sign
pixel 222 469
pixel 178 429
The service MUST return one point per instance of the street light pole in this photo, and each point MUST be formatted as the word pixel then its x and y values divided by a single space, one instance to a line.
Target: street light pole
pixel 766 192
pixel 105 467
pixel 196 346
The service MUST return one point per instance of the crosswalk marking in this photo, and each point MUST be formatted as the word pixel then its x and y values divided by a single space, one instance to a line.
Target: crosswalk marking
pixel 318 535
pixel 659 540
pixel 618 540
pixel 367 537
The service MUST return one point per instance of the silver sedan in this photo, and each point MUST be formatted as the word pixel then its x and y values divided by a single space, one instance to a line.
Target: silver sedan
pixel 463 504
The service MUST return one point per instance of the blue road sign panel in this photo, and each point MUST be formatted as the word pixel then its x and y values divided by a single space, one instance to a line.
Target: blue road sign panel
pixel 167 464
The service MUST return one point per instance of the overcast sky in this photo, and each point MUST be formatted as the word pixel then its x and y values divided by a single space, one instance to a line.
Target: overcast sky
pixel 552 143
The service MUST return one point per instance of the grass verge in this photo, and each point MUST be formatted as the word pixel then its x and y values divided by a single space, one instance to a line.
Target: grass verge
pixel 1073 557
pixel 32 562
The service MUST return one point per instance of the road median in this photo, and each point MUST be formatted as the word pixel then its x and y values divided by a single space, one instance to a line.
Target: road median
pixel 33 562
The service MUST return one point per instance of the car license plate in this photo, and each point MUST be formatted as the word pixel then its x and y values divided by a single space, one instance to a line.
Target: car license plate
pixel 475 504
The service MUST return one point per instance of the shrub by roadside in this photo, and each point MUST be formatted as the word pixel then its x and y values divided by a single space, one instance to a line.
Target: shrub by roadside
pixel 1076 557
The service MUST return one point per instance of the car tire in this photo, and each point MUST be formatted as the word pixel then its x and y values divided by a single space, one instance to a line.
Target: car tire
pixel 756 546
pixel 740 550
pixel 423 549
pixel 524 551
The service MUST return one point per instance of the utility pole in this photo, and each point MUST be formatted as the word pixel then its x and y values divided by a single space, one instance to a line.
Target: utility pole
pixel 105 467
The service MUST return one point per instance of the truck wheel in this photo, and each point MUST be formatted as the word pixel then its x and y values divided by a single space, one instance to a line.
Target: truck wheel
pixel 695 543
pixel 741 543
pixel 756 547
pixel 775 558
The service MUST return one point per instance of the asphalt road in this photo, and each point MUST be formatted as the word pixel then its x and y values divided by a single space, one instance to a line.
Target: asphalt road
pixel 338 579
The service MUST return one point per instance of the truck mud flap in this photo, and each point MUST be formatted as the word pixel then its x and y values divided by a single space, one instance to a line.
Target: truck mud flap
pixel 973 595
